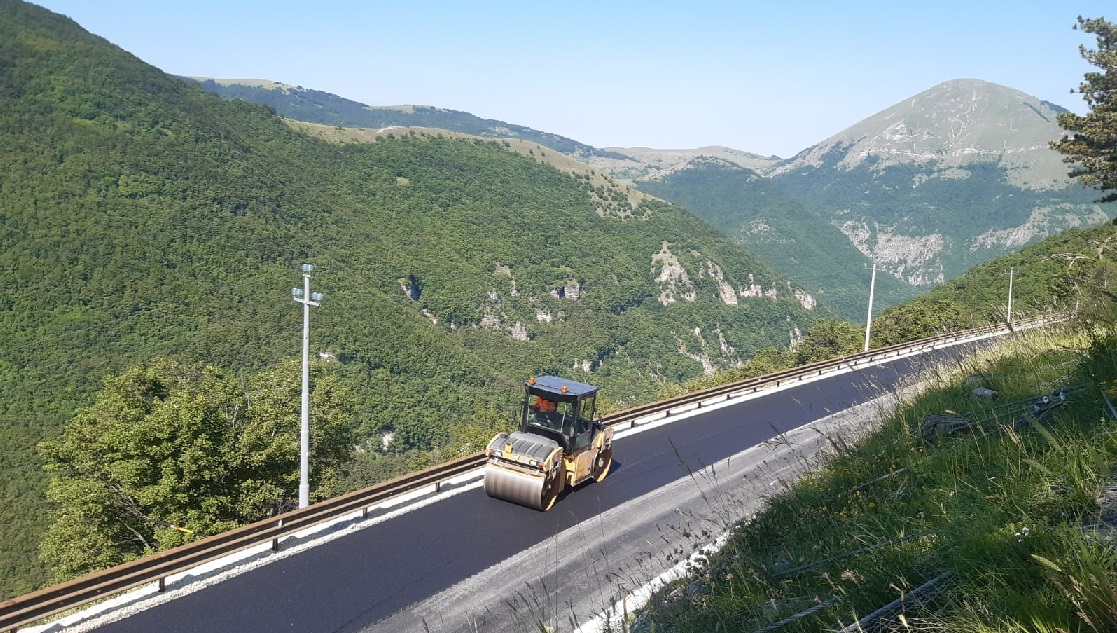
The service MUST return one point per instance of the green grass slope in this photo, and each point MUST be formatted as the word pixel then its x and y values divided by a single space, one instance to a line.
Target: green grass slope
pixel 1003 525
pixel 142 216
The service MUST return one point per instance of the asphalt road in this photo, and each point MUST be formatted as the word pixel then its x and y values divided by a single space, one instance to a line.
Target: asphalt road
pixel 472 563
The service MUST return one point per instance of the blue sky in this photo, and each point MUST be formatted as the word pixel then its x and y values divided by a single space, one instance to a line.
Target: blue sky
pixel 770 78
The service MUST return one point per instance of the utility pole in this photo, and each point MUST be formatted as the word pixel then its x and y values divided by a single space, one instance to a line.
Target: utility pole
pixel 1010 271
pixel 869 318
pixel 307 298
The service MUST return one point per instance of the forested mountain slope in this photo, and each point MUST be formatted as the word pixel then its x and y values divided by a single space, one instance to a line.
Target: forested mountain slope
pixel 931 186
pixel 142 216
pixel 949 178
pixel 927 188
pixel 787 234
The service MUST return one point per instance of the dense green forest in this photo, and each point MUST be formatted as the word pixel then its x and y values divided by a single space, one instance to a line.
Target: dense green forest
pixel 142 217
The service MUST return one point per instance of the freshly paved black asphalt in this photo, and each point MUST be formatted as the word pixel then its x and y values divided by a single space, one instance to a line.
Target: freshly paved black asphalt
pixel 352 582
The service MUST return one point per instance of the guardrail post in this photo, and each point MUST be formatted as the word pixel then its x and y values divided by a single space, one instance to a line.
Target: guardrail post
pixel 162 584
pixel 364 512
pixel 275 544
pixel 438 486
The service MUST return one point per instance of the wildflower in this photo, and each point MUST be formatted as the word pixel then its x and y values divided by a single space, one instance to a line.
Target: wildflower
pixel 849 575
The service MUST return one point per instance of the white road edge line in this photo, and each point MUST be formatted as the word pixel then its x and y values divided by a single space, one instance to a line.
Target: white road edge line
pixel 639 597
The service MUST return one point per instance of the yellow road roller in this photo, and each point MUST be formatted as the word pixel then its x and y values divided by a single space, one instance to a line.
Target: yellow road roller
pixel 561 442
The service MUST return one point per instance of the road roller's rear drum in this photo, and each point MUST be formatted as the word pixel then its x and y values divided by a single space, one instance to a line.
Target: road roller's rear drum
pixel 602 463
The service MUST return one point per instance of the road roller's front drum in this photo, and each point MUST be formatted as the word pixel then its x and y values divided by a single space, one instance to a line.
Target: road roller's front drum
pixel 538 493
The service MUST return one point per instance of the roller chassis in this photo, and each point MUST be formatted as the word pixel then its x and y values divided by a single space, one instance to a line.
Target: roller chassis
pixel 560 445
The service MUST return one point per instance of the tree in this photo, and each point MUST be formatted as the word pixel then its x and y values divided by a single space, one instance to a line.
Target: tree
pixel 828 338
pixel 472 436
pixel 169 452
pixel 769 360
pixel 1092 141
pixel 919 319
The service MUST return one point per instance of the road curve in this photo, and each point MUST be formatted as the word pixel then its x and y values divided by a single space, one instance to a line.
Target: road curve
pixel 465 562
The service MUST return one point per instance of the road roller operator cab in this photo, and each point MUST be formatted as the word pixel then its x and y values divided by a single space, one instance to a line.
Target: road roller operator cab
pixel 561 443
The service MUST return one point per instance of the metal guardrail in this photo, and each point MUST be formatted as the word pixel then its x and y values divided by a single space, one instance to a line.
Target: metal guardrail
pixel 155 568
pixel 814 369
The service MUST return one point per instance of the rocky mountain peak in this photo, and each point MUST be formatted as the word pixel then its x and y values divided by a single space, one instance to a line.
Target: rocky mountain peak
pixel 949 126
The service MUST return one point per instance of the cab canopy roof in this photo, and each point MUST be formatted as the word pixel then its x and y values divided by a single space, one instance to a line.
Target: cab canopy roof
pixel 552 386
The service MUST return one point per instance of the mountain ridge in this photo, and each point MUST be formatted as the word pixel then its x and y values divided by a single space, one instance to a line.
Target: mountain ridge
pixel 316 106
pixel 954 176
pixel 954 123
pixel 945 179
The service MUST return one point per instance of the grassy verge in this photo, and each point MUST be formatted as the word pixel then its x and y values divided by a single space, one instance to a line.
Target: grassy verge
pixel 994 527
